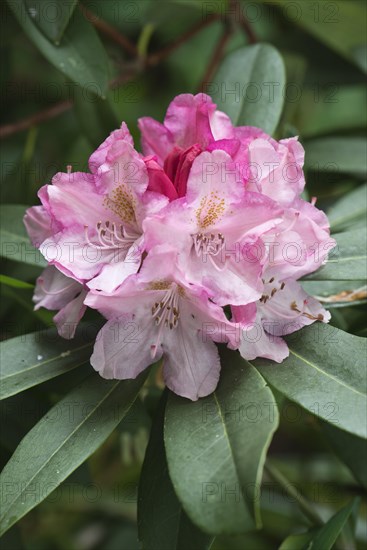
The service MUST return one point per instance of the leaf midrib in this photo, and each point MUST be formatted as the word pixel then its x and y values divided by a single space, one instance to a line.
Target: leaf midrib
pixel 62 444
pixel 339 381
pixel 36 365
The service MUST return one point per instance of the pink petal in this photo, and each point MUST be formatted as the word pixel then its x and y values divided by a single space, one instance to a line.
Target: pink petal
pixel 159 182
pixel 54 290
pixel 99 156
pixel 156 138
pixel 38 224
pixel 69 316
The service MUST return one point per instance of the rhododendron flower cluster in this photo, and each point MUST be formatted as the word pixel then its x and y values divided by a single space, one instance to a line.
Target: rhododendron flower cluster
pixel 199 240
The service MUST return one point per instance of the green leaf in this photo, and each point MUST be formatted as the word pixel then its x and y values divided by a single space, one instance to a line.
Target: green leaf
pixel 325 537
pixel 162 523
pixel 14 241
pixel 80 55
pixel 325 374
pixel 15 283
pixel 349 209
pixel 338 24
pixel 295 66
pixel 297 542
pixel 337 154
pixel 51 18
pixel 249 87
pixel 331 108
pixel 62 440
pixel 347 261
pixel 31 359
pixel 95 115
pixel 216 448
pixel 351 450
pixel 336 294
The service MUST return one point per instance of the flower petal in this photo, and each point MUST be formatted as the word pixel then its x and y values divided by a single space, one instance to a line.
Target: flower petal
pixel 69 316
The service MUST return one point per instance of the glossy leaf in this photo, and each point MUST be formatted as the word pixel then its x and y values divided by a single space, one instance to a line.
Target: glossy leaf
pixel 338 24
pixel 15 244
pixel 249 87
pixel 80 55
pixel 66 436
pixel 349 209
pixel 347 261
pixel 337 154
pixel 331 108
pixel 52 18
pixel 162 523
pixel 325 374
pixel 351 450
pixel 31 359
pixel 216 448
pixel 325 537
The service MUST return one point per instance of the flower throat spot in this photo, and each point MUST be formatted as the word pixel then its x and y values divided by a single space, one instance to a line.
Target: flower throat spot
pixel 211 208
pixel 122 202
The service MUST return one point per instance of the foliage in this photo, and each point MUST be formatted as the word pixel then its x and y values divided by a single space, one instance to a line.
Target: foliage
pixel 277 448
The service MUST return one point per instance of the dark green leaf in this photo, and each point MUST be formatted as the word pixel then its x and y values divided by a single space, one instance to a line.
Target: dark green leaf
pixel 349 209
pixel 163 524
pixel 52 18
pixel 331 108
pixel 351 449
pixel 15 244
pixel 216 448
pixel 249 87
pixel 69 433
pixel 325 374
pixel 80 55
pixel 295 66
pixel 33 358
pixel 337 154
pixel 325 537
pixel 338 24
pixel 347 261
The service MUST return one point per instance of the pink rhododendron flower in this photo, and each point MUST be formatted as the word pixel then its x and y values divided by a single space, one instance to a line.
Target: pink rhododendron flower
pixel 201 239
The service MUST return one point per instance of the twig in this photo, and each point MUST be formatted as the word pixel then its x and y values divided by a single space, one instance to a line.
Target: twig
pixel 216 58
pixel 244 24
pixel 110 31
pixel 155 58
pixel 37 118
pixel 152 60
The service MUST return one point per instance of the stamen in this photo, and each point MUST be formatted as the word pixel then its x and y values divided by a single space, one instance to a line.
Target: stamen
pixel 109 238
pixel 166 312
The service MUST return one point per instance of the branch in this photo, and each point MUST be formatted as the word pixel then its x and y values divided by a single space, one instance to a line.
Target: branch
pixel 245 25
pixel 110 31
pixel 216 58
pixel 152 60
pixel 37 118
pixel 155 58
